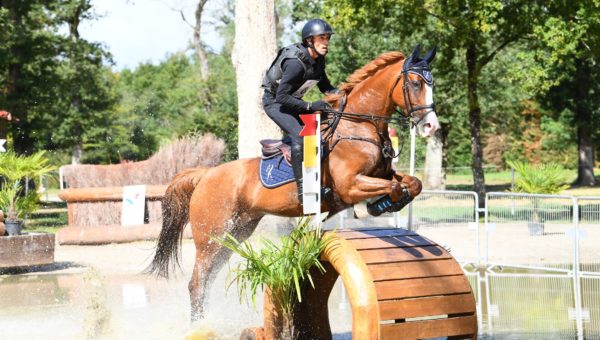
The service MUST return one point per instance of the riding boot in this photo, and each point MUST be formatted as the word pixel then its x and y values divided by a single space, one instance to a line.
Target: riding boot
pixel 297 157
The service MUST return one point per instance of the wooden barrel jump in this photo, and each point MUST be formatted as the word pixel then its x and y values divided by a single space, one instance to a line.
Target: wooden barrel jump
pixel 400 285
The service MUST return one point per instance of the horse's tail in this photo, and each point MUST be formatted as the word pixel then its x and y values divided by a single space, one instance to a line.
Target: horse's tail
pixel 175 214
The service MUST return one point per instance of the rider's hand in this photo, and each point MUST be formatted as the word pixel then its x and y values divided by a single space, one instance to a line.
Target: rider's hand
pixel 319 105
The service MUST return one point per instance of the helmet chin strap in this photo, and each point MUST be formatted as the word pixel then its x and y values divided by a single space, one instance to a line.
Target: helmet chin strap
pixel 312 46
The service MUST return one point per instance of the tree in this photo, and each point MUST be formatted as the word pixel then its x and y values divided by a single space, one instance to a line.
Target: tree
pixel 572 36
pixel 29 49
pixel 86 95
pixel 434 176
pixel 52 83
pixel 254 50
pixel 197 37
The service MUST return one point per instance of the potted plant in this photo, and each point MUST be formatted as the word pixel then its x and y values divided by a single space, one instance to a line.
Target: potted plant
pixel 280 268
pixel 14 169
pixel 546 178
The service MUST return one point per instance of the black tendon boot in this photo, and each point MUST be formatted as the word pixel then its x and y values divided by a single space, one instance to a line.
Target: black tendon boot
pixel 385 204
pixel 297 157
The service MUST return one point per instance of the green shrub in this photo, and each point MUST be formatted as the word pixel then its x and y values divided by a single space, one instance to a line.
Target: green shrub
pixel 282 268
pixel 546 178
pixel 15 168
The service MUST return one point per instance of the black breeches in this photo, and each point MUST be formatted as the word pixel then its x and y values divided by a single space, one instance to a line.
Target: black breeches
pixel 286 120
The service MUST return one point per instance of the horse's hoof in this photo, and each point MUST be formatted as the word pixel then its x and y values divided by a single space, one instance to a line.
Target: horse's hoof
pixel 254 333
pixel 360 210
pixel 201 332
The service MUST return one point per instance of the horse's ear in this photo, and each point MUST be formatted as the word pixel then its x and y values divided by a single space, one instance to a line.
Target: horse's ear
pixel 416 52
pixel 430 55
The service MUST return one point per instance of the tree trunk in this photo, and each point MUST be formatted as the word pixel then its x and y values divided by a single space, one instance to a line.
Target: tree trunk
pixel 76 102
pixel 475 122
pixel 254 49
pixel 200 52
pixel 22 142
pixel 77 154
pixel 583 120
pixel 434 172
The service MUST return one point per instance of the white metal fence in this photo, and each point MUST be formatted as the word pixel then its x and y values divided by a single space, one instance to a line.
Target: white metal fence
pixel 534 264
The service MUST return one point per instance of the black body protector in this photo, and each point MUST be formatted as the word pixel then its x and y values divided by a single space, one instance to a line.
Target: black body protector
pixel 312 75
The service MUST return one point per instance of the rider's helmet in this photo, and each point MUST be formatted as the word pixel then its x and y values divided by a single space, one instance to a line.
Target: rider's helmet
pixel 315 27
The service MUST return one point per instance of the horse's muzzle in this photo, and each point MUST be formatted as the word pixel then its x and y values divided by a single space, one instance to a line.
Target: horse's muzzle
pixel 429 125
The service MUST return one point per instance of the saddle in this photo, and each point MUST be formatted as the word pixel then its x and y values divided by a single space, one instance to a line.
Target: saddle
pixel 275 147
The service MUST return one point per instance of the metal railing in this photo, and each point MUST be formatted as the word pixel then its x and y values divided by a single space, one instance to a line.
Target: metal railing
pixel 531 224
pixel 537 266
pixel 442 215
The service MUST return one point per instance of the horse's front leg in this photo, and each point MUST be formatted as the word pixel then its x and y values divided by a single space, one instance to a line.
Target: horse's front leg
pixel 412 183
pixel 396 193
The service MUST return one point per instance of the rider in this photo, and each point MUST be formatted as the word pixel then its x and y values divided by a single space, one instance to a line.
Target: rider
pixel 295 70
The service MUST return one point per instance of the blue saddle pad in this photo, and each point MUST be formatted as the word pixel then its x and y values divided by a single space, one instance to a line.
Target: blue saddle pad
pixel 275 172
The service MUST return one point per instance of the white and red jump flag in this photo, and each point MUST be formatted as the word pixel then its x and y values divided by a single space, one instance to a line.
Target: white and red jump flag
pixel 311 167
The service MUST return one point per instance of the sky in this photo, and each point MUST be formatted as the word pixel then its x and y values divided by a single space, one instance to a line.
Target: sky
pixel 137 31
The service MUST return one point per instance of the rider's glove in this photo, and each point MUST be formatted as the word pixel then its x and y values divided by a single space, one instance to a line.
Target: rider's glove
pixel 319 105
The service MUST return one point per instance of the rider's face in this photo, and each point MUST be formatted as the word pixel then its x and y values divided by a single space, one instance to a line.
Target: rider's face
pixel 321 43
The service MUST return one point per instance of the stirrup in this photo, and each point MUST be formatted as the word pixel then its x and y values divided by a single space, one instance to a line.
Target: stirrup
pixel 385 204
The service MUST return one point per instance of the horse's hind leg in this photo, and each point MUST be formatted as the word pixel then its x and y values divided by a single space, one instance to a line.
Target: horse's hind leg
pixel 210 255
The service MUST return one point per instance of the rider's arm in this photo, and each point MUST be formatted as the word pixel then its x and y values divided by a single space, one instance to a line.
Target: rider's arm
pixel 292 79
pixel 325 85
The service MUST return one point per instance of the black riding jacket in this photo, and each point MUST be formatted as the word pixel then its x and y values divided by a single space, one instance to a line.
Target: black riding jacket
pixel 297 73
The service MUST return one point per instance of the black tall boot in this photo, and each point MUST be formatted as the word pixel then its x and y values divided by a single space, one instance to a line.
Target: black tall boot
pixel 297 157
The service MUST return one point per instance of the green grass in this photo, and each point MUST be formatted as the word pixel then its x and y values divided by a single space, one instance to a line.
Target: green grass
pixel 501 181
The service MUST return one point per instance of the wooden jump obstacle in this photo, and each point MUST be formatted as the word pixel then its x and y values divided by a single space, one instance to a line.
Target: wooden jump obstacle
pixel 400 286
pixel 95 216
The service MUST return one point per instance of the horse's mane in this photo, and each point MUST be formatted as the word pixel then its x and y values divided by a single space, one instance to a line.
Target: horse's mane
pixel 365 72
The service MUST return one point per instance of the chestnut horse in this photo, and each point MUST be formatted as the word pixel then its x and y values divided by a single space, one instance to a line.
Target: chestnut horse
pixel 230 197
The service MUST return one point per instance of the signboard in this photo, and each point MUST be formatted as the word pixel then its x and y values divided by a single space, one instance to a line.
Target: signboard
pixel 134 201
pixel 311 167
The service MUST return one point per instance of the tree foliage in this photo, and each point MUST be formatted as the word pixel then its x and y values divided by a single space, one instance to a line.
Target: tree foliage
pixel 496 61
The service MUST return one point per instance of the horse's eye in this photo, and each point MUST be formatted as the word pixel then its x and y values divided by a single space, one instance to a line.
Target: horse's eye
pixel 416 84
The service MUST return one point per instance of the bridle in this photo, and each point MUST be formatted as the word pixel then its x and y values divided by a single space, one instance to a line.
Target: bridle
pixel 401 118
pixel 410 108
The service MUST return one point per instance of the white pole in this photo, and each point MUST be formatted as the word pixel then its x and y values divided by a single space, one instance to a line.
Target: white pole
pixel 311 166
pixel 413 137
pixel 60 177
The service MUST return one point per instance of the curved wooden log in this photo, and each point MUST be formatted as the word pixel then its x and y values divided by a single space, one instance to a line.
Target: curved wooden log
pixel 359 285
pixel 400 286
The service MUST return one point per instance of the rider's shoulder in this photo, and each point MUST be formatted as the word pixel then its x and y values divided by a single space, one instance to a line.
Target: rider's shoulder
pixel 295 50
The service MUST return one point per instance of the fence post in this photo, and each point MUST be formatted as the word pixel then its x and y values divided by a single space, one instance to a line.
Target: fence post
pixel 576 274
pixel 413 136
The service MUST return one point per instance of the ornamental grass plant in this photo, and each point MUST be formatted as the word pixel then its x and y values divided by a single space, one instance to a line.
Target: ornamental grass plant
pixel 14 169
pixel 281 267
pixel 546 178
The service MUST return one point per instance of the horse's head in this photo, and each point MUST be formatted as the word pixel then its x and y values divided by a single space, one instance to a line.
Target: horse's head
pixel 415 96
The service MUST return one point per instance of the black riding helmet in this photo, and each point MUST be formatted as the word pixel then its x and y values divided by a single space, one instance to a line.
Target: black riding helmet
pixel 315 27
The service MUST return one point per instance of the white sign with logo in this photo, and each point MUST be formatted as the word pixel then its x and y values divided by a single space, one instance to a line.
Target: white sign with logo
pixel 134 199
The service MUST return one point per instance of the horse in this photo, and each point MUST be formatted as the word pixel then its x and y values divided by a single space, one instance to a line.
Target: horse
pixel 230 197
